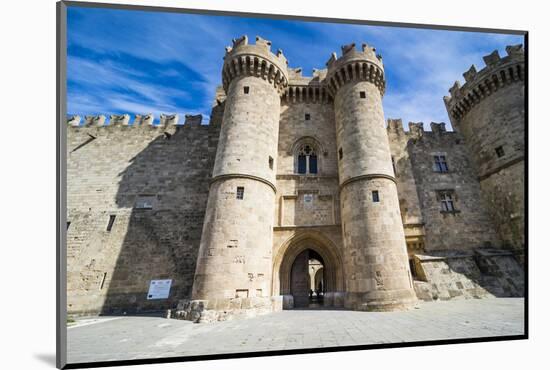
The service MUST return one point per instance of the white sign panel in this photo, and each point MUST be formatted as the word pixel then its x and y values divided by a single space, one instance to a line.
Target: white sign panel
pixel 159 289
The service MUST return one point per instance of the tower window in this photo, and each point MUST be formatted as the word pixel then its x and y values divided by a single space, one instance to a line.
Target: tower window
pixel 308 116
pixel 440 164
pixel 446 200
pixel 271 162
pixel 306 160
pixel 68 224
pixel 111 222
pixel 246 89
pixel 375 196
pixel 240 192
pixel 362 95
pixel 499 151
pixel 340 153
pixel 393 165
pixel 145 201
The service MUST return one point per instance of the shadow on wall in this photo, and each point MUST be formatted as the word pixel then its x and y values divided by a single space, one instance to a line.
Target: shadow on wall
pixel 164 190
pixel 485 273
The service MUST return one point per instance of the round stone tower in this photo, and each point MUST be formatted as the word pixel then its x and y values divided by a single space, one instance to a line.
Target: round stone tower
pixel 233 273
pixel 489 112
pixel 375 255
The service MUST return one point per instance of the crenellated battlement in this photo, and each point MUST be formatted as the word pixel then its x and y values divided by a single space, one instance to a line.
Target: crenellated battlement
pixel 438 127
pixel 363 65
pixel 497 73
pixel 416 129
pixel 255 60
pixel 140 120
pixel 395 126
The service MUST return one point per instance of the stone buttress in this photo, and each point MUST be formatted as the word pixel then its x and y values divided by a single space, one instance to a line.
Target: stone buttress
pixel 375 254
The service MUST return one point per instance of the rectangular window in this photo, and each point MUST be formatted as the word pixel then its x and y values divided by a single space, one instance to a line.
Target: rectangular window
pixel 340 153
pixel 145 201
pixel 362 95
pixel 241 293
pixel 446 201
pixel 271 163
pixel 375 196
pixel 111 222
pixel 499 151
pixel 302 164
pixel 246 89
pixel 308 117
pixel 440 164
pixel 240 192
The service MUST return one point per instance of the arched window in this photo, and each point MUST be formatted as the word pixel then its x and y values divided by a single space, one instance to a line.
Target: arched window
pixel 306 159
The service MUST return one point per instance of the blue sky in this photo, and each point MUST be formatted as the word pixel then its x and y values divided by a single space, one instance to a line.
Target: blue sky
pixel 128 61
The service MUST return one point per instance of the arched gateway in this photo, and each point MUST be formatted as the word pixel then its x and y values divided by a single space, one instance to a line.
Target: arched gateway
pixel 291 277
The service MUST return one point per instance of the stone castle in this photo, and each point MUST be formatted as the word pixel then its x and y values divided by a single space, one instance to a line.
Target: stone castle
pixel 298 193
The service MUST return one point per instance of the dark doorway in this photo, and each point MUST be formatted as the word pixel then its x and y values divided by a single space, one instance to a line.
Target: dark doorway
pixel 307 281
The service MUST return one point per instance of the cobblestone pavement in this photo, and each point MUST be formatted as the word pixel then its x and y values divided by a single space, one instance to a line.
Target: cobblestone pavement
pixel 138 337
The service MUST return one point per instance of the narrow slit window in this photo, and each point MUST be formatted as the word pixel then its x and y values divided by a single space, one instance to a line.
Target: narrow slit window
pixel 68 224
pixel 375 196
pixel 111 222
pixel 340 153
pixel 271 163
pixel 393 165
pixel 240 192
pixel 246 89
pixel 499 151
pixel 102 282
pixel 362 95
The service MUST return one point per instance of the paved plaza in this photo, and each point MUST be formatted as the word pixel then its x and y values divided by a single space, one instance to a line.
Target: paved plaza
pixel 139 337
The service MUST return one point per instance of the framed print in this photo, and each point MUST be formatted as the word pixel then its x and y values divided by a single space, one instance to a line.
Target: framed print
pixel 235 184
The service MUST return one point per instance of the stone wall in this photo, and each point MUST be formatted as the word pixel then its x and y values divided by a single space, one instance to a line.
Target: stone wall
pixel 504 192
pixel 111 168
pixel 482 273
pixel 469 226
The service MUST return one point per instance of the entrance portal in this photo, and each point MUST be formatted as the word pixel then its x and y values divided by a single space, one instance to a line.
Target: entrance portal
pixel 308 272
pixel 307 280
